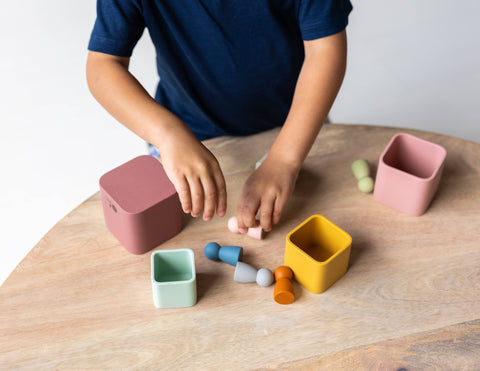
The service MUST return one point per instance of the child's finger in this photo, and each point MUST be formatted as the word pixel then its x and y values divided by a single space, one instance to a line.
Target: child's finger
pixel 210 198
pixel 266 213
pixel 280 203
pixel 246 210
pixel 183 190
pixel 196 192
pixel 221 194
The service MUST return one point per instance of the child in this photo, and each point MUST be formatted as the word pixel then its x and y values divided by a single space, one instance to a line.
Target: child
pixel 226 67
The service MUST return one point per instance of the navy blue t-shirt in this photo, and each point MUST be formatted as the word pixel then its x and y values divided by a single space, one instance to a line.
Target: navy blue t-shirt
pixel 226 67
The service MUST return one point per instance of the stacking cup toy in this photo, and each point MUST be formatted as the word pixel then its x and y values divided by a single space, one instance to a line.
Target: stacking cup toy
pixel 317 251
pixel 408 173
pixel 140 205
pixel 174 282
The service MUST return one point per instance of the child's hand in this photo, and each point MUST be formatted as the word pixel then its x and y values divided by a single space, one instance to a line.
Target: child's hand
pixel 267 190
pixel 195 173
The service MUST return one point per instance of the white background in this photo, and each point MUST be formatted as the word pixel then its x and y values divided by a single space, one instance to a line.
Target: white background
pixel 412 64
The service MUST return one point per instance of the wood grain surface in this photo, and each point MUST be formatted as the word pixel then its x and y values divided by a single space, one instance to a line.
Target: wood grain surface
pixel 409 300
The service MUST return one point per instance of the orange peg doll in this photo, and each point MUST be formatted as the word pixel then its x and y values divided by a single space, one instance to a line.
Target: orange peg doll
pixel 283 291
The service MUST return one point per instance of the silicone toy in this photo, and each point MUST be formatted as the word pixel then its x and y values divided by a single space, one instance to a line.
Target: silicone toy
pixel 361 171
pixel 283 292
pixel 245 273
pixel 318 252
pixel 408 174
pixel 256 232
pixel 174 282
pixel 140 205
pixel 227 254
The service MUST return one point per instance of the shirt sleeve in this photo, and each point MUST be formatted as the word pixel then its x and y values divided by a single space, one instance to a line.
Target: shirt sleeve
pixel 321 18
pixel 118 27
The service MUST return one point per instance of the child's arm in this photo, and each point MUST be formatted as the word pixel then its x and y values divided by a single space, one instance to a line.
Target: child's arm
pixel 190 166
pixel 268 189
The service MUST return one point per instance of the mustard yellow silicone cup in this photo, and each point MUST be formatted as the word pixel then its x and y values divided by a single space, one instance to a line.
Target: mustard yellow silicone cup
pixel 317 251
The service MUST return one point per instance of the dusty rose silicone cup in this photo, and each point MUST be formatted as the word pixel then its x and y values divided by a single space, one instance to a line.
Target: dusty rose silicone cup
pixel 408 173
pixel 140 204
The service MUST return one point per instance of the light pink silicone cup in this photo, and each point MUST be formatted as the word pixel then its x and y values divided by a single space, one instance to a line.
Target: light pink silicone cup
pixel 408 173
pixel 140 205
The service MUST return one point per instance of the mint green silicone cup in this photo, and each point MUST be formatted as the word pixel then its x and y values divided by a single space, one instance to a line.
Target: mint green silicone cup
pixel 174 282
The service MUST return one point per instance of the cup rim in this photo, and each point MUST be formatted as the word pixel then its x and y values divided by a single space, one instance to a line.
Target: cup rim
pixel 308 256
pixel 191 257
pixel 443 155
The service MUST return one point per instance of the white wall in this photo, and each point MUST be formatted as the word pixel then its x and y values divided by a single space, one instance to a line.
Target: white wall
pixel 56 141
pixel 412 64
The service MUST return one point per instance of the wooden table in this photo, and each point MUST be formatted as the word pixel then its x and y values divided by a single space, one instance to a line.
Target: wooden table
pixel 410 299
